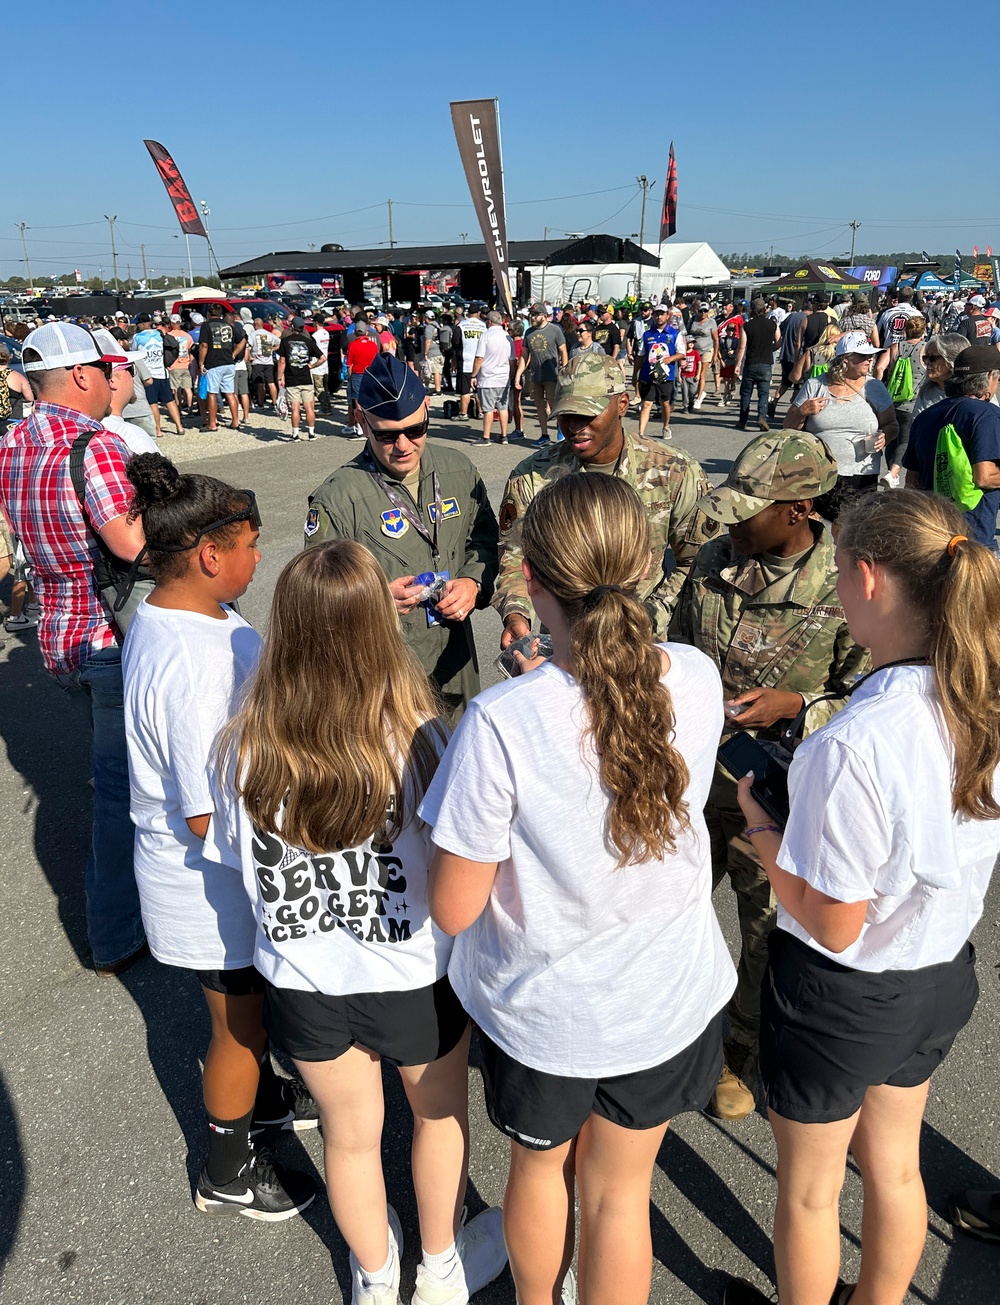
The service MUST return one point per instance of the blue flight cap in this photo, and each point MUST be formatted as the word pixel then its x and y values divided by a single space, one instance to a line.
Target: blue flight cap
pixel 389 390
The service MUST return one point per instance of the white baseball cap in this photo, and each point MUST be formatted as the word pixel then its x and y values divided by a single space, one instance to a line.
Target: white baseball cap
pixel 175 317
pixel 855 342
pixel 62 344
pixel 121 315
pixel 978 300
pixel 107 342
pixel 429 314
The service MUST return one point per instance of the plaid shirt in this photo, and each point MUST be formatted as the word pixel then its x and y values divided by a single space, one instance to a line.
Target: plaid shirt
pixel 38 498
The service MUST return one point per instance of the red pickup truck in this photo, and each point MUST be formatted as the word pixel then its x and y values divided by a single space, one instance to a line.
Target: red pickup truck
pixel 259 307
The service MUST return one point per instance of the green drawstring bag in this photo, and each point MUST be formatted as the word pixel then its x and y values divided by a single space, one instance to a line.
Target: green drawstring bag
pixel 900 385
pixel 953 470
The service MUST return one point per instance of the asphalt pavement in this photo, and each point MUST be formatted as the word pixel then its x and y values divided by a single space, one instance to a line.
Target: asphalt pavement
pixel 101 1129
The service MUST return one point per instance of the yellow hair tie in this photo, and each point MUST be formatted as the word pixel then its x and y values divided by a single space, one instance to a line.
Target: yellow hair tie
pixel 954 542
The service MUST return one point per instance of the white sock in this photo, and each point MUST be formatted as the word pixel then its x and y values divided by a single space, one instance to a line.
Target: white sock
pixel 441 1265
pixel 312 430
pixel 295 430
pixel 383 1277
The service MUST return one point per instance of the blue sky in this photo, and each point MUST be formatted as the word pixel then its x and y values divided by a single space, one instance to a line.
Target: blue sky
pixel 297 123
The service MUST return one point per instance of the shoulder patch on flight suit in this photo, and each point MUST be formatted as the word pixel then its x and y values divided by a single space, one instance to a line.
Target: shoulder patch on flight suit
pixel 312 523
pixel 508 515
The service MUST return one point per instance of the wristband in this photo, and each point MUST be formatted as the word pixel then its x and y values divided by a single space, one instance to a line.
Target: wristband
pixel 761 829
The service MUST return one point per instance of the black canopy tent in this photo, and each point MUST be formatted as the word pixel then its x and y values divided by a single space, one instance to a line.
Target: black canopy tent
pixel 816 278
pixel 399 267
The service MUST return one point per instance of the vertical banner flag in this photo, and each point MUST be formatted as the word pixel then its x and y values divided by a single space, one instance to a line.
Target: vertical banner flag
pixel 668 221
pixel 996 275
pixel 180 196
pixel 477 130
pixel 958 268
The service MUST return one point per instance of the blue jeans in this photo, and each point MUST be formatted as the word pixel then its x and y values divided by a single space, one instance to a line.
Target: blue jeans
pixel 759 375
pixel 114 920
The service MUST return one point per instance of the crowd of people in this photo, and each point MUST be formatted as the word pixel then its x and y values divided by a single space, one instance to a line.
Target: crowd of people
pixel 362 855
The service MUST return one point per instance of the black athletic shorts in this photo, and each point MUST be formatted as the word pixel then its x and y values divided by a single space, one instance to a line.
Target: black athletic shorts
pixel 404 1028
pixel 661 391
pixel 541 1111
pixel 828 1033
pixel 234 983
pixel 786 372
pixel 464 382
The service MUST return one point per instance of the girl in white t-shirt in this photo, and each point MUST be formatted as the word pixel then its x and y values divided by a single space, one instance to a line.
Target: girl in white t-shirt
pixel 880 878
pixel 573 863
pixel 185 659
pixel 319 778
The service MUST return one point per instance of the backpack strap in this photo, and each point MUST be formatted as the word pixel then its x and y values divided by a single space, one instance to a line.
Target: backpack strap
pixel 77 453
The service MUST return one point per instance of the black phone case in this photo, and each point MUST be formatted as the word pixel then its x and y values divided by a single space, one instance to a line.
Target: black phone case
pixel 770 784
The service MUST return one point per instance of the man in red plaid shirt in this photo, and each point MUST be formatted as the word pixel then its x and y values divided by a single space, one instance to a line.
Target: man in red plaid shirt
pixel 79 640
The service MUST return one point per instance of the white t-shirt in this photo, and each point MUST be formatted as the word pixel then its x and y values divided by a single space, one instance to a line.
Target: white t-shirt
pixel 183 673
pixel 134 437
pixel 473 329
pixel 576 967
pixel 871 820
pixel 340 923
pixel 322 340
pixel 496 349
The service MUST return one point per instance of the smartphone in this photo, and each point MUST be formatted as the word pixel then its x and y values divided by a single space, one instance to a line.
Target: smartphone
pixel 506 663
pixel 741 754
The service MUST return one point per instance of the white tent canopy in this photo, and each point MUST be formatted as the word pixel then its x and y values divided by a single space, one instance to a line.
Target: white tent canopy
pixel 681 264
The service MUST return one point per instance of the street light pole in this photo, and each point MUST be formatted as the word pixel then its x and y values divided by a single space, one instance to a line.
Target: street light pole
pixel 114 256
pixel 644 183
pixel 23 226
pixel 206 213
pixel 145 274
pixel 391 241
pixel 854 232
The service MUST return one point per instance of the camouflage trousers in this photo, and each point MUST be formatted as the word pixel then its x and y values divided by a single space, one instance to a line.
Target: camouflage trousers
pixel 732 854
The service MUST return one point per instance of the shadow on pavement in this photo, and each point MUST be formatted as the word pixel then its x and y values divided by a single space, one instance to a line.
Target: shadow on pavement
pixel 47 737
pixel 14 1180
pixel 970 1263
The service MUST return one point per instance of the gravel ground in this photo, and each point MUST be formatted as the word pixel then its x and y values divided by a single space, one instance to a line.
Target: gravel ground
pixel 100 1123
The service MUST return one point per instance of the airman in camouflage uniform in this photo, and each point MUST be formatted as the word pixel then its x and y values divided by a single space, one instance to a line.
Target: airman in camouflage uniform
pixel 761 601
pixel 591 400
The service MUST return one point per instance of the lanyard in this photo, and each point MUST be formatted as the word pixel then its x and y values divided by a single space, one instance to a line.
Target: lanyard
pixel 405 504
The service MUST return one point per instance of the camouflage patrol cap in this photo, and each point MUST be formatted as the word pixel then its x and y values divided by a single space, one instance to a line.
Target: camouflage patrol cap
pixel 776 468
pixel 587 383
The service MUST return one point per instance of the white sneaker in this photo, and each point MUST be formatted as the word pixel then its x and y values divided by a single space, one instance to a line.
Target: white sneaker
pixel 697 403
pixel 725 403
pixel 481 1258
pixel 667 433
pixel 358 433
pixel 379 1293
pixel 347 430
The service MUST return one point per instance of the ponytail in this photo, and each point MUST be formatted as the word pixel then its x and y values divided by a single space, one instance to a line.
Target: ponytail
pixel 586 538
pixel 953 583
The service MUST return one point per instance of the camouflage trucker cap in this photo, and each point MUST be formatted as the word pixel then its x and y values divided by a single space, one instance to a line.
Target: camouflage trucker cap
pixel 587 383
pixel 776 468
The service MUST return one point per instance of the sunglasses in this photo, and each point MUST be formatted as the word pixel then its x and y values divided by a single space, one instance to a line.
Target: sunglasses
pixel 250 513
pixel 105 367
pixel 415 432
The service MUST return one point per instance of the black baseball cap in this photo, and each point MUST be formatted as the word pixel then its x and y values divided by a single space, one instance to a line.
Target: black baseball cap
pixel 977 358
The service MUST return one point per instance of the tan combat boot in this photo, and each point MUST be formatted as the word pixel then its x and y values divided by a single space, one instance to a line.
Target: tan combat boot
pixel 732 1099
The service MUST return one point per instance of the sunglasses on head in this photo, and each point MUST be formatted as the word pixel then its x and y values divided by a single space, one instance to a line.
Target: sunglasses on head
pixel 415 432
pixel 249 513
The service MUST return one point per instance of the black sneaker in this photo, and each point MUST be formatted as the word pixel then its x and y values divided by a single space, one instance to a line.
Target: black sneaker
pixel 263 1189
pixel 740 1292
pixel 300 1112
pixel 976 1212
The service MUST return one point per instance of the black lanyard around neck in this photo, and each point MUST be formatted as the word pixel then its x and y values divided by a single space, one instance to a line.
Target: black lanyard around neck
pixel 405 505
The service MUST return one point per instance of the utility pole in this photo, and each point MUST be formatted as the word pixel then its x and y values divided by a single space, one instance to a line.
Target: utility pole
pixel 23 226
pixel 145 274
pixel 206 213
pixel 854 231
pixel 644 183
pixel 114 256
pixel 391 241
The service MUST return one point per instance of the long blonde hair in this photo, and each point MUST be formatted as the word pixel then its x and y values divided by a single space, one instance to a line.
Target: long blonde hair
pixel 957 594
pixel 586 538
pixel 338 713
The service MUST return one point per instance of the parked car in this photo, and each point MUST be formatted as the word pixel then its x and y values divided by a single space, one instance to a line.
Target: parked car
pixel 259 307
pixel 13 347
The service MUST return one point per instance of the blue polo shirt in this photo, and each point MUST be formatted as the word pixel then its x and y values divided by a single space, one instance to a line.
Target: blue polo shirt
pixel 978 425
pixel 657 345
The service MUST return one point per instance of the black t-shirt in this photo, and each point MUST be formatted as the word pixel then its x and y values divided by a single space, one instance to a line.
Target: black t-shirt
pixel 607 337
pixel 816 324
pixel 221 338
pixel 760 340
pixel 297 348
pixel 977 328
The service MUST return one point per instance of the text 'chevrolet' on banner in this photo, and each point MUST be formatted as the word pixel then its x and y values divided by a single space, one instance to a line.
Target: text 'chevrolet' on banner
pixel 477 130
pixel 180 196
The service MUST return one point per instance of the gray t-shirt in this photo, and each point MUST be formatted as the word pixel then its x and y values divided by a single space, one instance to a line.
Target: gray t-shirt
pixel 139 407
pixel 431 340
pixel 843 421
pixel 542 344
pixel 699 335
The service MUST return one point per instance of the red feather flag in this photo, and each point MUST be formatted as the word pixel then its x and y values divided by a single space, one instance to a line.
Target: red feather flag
pixel 668 222
pixel 180 196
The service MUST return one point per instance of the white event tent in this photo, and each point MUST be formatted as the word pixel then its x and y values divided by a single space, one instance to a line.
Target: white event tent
pixel 682 266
